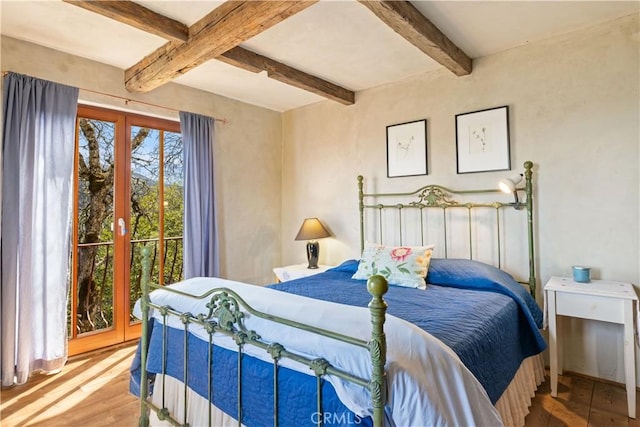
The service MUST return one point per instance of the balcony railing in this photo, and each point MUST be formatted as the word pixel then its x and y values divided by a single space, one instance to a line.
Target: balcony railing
pixel 94 298
pixel 171 259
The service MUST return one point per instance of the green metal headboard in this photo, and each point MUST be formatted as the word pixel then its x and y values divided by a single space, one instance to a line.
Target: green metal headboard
pixel 438 197
pixel 226 313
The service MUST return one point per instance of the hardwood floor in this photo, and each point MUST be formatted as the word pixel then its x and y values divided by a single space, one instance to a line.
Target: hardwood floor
pixel 93 391
pixel 90 391
pixel 581 402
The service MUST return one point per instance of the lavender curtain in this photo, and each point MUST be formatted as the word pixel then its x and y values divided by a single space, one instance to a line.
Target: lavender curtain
pixel 201 258
pixel 37 157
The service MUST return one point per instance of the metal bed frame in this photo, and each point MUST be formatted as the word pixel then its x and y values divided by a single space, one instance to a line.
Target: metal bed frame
pixel 225 316
pixel 226 313
pixel 438 197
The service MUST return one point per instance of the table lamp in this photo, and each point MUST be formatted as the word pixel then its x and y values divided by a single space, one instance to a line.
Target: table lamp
pixel 311 230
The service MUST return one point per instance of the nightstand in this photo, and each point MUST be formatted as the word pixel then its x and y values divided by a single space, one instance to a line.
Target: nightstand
pixel 601 300
pixel 297 271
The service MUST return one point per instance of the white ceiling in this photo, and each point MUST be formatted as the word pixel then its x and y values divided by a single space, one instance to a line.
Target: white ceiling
pixel 337 40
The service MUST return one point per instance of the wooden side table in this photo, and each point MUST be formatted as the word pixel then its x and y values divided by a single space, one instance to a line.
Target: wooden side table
pixel 602 300
pixel 297 271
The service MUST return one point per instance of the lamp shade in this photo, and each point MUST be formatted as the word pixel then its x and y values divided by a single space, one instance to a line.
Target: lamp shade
pixel 312 229
pixel 508 185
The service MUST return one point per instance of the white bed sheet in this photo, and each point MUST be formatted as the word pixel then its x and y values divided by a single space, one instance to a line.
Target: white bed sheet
pixel 428 384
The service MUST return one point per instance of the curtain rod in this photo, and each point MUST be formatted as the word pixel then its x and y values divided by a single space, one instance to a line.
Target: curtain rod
pixel 128 100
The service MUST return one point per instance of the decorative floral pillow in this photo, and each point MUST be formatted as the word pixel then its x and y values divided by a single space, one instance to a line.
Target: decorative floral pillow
pixel 400 265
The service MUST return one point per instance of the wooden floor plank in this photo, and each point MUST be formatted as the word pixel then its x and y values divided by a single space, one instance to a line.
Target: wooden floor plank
pixel 568 413
pixel 609 398
pixel 540 411
pixel 575 389
pixel 600 418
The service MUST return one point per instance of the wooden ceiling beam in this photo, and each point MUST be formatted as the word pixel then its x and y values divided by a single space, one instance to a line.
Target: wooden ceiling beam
pixel 137 16
pixel 256 63
pixel 407 21
pixel 133 14
pixel 224 28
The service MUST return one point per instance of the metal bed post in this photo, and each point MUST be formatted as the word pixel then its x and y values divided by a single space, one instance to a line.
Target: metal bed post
pixel 529 191
pixel 143 421
pixel 377 287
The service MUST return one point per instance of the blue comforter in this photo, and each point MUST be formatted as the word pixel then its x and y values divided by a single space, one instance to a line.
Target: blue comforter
pixel 297 392
pixel 479 311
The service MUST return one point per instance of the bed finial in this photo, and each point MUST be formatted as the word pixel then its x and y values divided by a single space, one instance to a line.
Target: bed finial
pixel 377 287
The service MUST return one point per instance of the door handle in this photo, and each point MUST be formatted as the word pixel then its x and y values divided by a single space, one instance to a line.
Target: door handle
pixel 122 225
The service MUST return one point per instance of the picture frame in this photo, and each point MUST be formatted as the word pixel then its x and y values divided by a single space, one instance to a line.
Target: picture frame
pixel 482 141
pixel 407 149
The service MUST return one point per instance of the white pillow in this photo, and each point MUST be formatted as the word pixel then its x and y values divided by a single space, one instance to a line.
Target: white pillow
pixel 400 265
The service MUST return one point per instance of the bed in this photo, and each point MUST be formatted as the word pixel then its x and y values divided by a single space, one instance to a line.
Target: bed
pixel 333 350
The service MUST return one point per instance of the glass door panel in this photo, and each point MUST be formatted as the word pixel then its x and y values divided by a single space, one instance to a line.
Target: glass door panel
pixel 94 309
pixel 173 205
pixel 94 274
pixel 145 209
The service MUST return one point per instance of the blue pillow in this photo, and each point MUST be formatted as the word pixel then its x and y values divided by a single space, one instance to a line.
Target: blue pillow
pixel 469 274
pixel 349 266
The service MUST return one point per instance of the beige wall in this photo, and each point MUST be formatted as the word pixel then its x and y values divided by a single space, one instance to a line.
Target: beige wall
pixel 574 111
pixel 247 150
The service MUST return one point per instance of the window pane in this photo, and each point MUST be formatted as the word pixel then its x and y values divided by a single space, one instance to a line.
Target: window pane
pixel 145 205
pixel 95 226
pixel 173 206
pixel 145 176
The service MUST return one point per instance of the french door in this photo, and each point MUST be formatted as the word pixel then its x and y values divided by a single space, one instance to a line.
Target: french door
pixel 128 194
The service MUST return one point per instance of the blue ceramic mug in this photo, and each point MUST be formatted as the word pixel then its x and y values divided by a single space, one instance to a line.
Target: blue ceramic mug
pixel 581 274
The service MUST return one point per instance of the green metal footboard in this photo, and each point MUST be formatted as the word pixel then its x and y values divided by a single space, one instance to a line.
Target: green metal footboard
pixel 438 197
pixel 226 312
